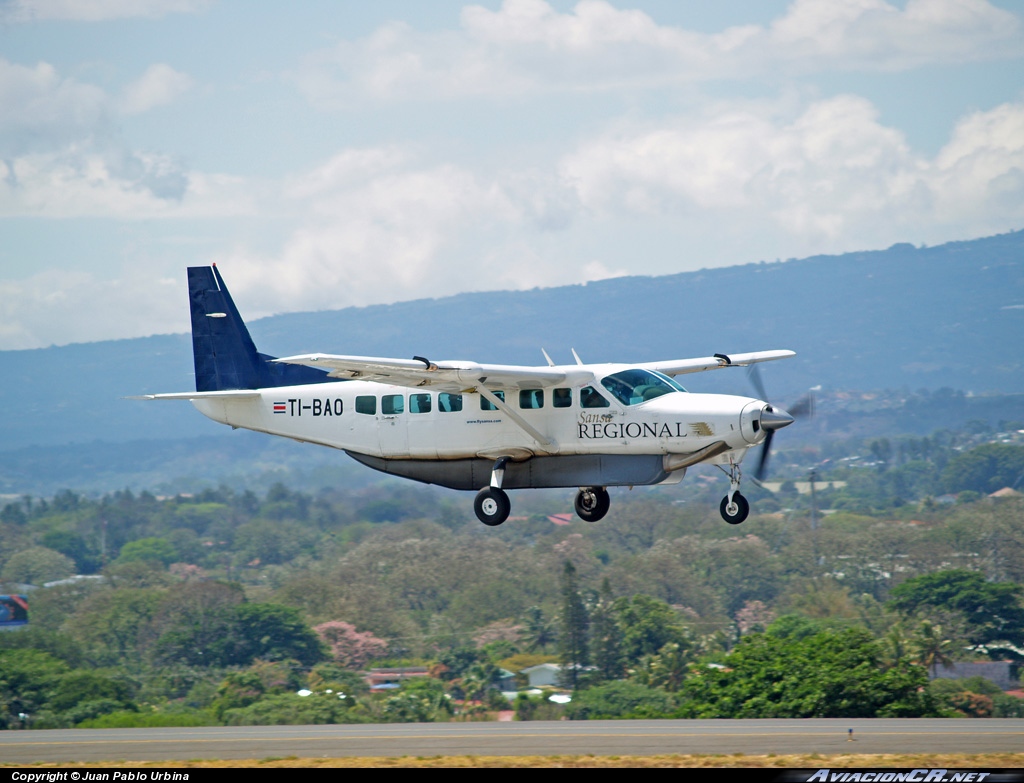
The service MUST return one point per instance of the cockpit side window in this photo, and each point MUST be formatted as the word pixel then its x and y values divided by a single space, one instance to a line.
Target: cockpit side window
pixel 631 387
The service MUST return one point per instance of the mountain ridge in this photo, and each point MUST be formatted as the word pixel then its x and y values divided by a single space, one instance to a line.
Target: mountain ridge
pixel 918 318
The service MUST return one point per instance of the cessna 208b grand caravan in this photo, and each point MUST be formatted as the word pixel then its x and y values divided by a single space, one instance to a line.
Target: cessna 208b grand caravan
pixel 484 427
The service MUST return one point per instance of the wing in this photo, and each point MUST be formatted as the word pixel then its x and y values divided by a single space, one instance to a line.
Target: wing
pixel 451 376
pixel 716 362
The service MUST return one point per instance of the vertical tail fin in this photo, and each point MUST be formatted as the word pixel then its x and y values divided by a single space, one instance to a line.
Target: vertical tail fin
pixel 224 353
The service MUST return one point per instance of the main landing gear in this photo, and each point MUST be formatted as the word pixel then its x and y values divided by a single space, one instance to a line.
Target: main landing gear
pixel 592 503
pixel 734 508
pixel 492 505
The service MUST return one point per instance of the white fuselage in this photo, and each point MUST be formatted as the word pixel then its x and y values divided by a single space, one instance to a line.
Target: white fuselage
pixel 342 416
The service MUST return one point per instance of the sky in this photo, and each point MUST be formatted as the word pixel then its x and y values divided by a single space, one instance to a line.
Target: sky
pixel 331 154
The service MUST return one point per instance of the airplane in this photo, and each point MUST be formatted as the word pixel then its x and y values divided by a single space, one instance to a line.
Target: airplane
pixel 485 427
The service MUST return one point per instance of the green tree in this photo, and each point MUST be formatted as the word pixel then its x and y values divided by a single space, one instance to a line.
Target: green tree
pixel 647 625
pixel 196 624
pixel 992 610
pixel 26 679
pixel 605 637
pixel 984 469
pixel 575 652
pixel 159 550
pixel 37 565
pixel 273 632
pixel 540 632
pixel 931 649
pixel 115 626
pixel 668 669
pixel 620 699
pixel 828 675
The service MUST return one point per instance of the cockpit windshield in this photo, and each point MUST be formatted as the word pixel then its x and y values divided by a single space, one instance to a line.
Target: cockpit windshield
pixel 631 387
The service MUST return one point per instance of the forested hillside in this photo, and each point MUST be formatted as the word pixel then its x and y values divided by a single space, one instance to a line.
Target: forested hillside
pixel 218 607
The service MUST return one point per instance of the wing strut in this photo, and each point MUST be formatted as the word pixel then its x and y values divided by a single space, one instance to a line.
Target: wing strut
pixel 498 403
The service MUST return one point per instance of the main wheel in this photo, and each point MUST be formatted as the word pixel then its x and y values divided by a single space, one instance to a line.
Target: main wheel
pixel 592 503
pixel 492 506
pixel 734 512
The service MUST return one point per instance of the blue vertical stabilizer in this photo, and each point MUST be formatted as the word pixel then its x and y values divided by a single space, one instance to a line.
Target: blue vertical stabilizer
pixel 225 355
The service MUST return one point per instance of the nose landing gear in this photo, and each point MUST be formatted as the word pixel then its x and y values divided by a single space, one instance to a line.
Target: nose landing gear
pixel 734 508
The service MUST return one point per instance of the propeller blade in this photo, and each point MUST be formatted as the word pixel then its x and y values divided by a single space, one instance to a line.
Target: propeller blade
pixel 766 450
pixel 803 408
pixel 754 376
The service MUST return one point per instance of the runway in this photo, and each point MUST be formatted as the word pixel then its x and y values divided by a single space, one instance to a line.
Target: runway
pixel 621 738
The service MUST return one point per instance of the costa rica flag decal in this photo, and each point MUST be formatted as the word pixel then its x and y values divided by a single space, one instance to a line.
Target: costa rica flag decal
pixel 280 407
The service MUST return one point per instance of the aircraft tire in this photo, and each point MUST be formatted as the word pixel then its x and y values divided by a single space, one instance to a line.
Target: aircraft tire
pixel 592 503
pixel 737 512
pixel 492 506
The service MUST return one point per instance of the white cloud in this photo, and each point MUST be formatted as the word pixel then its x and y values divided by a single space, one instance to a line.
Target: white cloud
pixel 377 230
pixel 62 155
pixel 40 110
pixel 158 86
pixel 45 308
pixel 122 185
pixel 94 10
pixel 528 46
pixel 832 176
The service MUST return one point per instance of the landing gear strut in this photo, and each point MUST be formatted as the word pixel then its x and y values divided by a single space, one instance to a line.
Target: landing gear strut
pixel 734 507
pixel 492 504
pixel 592 503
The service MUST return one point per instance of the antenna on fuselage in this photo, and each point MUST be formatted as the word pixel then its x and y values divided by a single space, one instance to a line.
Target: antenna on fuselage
pixel 576 356
pixel 550 363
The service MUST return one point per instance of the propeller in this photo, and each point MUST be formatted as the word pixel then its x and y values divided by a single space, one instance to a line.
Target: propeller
pixel 773 419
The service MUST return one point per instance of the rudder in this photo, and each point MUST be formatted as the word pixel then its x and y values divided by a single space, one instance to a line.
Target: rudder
pixel 224 353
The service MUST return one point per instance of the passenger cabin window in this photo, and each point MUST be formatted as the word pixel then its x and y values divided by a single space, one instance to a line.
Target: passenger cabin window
pixel 486 405
pixel 631 387
pixel 561 398
pixel 367 405
pixel 419 403
pixel 591 398
pixel 392 404
pixel 449 403
pixel 531 399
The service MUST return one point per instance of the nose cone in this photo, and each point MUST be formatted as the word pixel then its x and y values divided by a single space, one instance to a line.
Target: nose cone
pixel 772 420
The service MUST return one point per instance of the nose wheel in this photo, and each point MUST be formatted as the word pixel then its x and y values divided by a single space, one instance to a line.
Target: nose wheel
pixel 734 508
pixel 734 511
pixel 592 503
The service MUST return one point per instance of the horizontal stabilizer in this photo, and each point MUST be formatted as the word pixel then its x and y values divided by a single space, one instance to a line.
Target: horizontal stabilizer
pixel 231 394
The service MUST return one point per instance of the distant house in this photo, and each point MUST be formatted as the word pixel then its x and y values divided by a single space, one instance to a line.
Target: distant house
pixel 542 674
pixel 506 680
pixel 547 674
pixel 997 672
pixel 393 676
